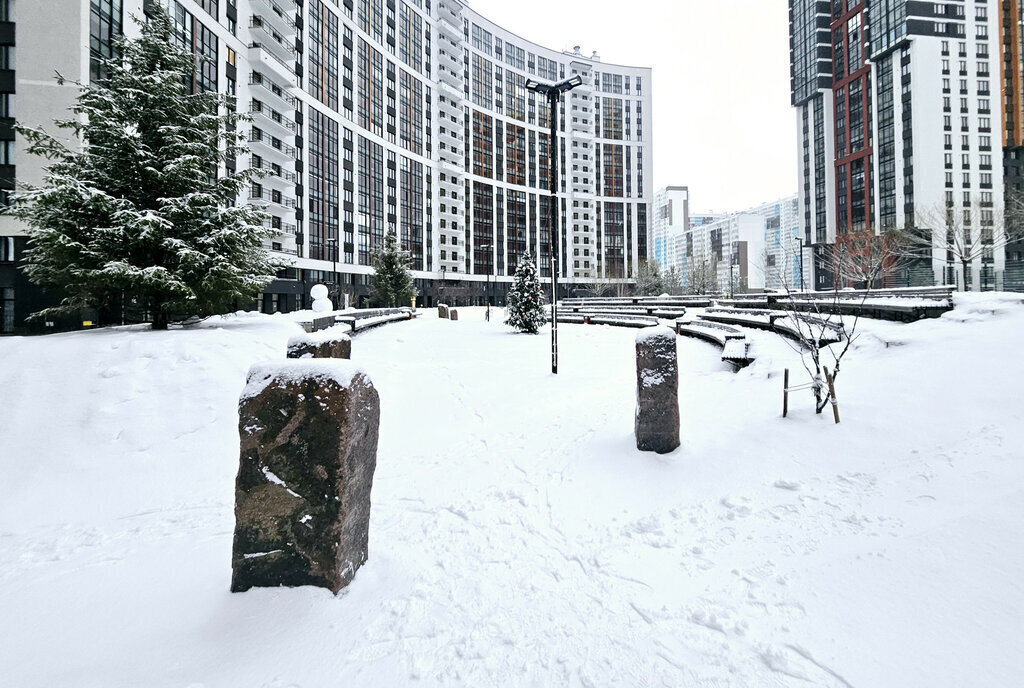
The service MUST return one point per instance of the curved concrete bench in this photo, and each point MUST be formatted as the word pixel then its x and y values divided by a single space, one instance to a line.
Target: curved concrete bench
pixel 655 302
pixel 613 319
pixel 734 343
pixel 877 304
pixel 775 321
pixel 667 313
pixel 366 319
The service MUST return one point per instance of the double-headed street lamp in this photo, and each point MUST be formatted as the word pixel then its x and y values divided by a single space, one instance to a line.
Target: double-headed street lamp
pixel 554 92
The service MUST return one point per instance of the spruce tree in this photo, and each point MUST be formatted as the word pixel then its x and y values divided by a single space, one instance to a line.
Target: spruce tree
pixel 131 207
pixel 525 310
pixel 392 281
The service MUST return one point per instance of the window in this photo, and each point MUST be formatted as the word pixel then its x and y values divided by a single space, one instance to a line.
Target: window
pixel 105 17
pixel 6 249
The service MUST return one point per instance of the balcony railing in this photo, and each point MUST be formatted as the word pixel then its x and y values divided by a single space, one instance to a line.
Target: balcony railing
pixel 268 85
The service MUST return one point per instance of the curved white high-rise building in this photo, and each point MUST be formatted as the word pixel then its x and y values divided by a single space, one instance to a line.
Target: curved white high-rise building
pixel 372 116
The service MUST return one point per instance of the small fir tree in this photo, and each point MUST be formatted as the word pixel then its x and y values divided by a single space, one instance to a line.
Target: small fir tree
pixel 525 310
pixel 392 281
pixel 131 208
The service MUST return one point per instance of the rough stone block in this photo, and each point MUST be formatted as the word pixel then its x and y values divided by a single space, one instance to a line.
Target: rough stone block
pixel 442 311
pixel 453 314
pixel 308 433
pixel 323 344
pixel 657 390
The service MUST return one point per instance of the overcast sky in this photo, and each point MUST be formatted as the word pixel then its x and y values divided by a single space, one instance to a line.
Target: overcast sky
pixel 723 125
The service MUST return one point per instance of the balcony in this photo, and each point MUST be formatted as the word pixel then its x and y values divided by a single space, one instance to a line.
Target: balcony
pixel 581 123
pixel 266 144
pixel 454 92
pixel 286 228
pixel 261 56
pixel 451 30
pixel 278 13
pixel 263 33
pixel 450 56
pixel 267 196
pixel 450 11
pixel 585 185
pixel 453 137
pixel 278 95
pixel 451 77
pixel 273 122
pixel 282 176
pixel 449 167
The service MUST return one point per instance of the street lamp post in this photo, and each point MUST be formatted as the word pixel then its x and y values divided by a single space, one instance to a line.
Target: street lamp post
pixel 487 279
pixel 440 291
pixel 332 243
pixel 800 250
pixel 732 266
pixel 553 92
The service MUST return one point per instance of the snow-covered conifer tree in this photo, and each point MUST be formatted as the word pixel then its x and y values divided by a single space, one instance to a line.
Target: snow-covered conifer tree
pixel 132 208
pixel 525 310
pixel 392 281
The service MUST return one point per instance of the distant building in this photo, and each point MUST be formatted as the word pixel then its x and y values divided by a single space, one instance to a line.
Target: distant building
pixel 781 261
pixel 705 219
pixel 671 214
pixel 747 251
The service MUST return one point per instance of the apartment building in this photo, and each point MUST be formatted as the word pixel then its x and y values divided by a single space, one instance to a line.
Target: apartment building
pixel 373 116
pixel 671 216
pixel 900 125
pixel 749 251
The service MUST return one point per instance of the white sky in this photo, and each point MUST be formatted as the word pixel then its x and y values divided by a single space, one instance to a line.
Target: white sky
pixel 723 125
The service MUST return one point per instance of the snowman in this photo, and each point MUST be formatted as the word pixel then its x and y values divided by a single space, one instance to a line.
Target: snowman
pixel 321 304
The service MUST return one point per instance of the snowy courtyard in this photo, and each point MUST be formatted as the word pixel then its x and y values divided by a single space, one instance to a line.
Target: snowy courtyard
pixel 517 536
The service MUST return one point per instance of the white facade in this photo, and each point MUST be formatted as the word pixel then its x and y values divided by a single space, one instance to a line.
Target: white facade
pixel 407 116
pixel 671 216
pixel 924 149
pixel 750 251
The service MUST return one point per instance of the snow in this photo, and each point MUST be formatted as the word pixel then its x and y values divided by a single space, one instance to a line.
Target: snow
pixel 290 370
pixel 335 333
pixel 517 537
pixel 656 332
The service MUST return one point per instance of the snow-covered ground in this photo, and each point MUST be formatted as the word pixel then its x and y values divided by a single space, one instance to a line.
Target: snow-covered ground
pixel 517 537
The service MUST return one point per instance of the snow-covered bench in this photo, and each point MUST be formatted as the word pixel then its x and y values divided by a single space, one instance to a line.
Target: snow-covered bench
pixel 779 322
pixel 669 313
pixel 734 343
pixel 904 304
pixel 613 319
pixel 364 319
pixel 652 302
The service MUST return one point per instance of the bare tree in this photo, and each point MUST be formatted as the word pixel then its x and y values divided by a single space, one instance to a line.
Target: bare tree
pixel 965 234
pixel 823 336
pixel 701 275
pixel 672 281
pixel 874 261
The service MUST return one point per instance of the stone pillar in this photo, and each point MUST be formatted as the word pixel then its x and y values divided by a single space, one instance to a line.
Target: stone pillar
pixel 320 345
pixel 657 390
pixel 308 432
